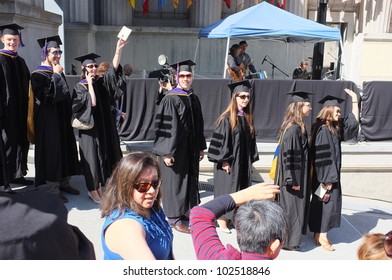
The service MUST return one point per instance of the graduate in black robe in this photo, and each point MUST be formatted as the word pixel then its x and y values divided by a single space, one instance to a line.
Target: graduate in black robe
pixel 99 146
pixel 233 147
pixel 14 86
pixel 293 167
pixel 180 142
pixel 325 150
pixel 34 226
pixel 55 153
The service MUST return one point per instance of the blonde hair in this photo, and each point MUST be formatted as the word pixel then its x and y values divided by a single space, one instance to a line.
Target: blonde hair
pixel 372 247
pixel 294 115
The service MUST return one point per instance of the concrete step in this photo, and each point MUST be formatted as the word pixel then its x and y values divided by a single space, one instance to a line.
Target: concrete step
pixel 366 166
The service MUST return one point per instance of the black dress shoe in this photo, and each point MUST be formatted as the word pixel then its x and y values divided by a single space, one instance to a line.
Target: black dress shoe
pixel 181 228
pixel 63 198
pixel 22 181
pixel 70 190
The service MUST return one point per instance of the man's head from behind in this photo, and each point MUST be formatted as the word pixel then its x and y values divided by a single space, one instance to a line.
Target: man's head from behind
pixel 261 227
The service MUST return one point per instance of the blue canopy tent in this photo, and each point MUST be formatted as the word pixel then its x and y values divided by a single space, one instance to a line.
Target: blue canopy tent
pixel 268 22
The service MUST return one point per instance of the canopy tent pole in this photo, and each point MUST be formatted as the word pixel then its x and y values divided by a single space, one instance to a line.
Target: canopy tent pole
pixel 342 61
pixel 197 49
pixel 227 55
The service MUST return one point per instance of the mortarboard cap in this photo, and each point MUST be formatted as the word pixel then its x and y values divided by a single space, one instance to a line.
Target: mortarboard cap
pixel 50 42
pixel 300 96
pixel 87 59
pixel 242 86
pixel 185 65
pixel 47 43
pixel 12 29
pixel 330 100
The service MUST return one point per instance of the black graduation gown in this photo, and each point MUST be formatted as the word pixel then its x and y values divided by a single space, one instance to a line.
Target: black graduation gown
pixel 99 147
pixel 34 227
pixel 55 150
pixel 14 86
pixel 237 147
pixel 293 171
pixel 326 162
pixel 179 133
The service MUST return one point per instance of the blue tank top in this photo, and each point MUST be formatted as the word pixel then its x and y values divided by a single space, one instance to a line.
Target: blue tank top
pixel 159 235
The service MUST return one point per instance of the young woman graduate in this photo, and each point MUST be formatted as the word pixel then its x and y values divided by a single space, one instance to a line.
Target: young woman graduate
pixel 328 131
pixel 233 147
pixel 92 99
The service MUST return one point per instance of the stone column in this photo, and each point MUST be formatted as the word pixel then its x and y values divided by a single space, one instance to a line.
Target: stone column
pixel 116 12
pixel 298 7
pixel 376 16
pixel 205 12
pixel 77 11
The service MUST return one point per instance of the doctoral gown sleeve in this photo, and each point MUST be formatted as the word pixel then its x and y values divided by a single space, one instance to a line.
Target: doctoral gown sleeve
pixel 166 123
pixel 350 127
pixel 254 151
pixel 49 90
pixel 81 103
pixel 114 82
pixel 202 145
pixel 324 158
pixel 221 145
pixel 292 156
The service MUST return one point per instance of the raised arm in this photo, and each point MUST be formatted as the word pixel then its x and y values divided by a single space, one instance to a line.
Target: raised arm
pixel 354 100
pixel 117 55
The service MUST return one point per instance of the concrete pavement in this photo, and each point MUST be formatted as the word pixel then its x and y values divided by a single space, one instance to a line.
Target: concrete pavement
pixel 359 216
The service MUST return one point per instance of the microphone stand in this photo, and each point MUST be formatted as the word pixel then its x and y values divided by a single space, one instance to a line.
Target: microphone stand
pixel 273 68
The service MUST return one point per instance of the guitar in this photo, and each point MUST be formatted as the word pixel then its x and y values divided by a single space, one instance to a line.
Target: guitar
pixel 237 77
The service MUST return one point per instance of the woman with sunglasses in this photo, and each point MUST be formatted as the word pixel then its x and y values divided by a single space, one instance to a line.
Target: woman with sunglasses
pixel 325 152
pixel 233 147
pixel 99 146
pixel 292 167
pixel 376 246
pixel 135 225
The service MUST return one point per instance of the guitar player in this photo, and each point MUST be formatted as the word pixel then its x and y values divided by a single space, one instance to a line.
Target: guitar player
pixel 237 72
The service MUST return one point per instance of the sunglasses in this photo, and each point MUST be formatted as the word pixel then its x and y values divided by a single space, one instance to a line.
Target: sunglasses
pixel 244 96
pixel 57 52
pixel 185 76
pixel 388 244
pixel 92 66
pixel 143 187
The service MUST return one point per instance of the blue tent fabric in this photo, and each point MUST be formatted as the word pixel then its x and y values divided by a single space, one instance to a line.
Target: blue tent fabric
pixel 265 21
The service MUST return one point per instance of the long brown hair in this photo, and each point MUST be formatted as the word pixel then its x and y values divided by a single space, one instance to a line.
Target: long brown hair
pixel 326 117
pixel 232 110
pixel 294 115
pixel 118 194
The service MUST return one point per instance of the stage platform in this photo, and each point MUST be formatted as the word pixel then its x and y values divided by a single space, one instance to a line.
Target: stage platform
pixel 366 166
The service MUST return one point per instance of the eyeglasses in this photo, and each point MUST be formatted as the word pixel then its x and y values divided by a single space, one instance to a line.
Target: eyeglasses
pixel 244 96
pixel 143 187
pixel 388 244
pixel 185 76
pixel 92 66
pixel 57 52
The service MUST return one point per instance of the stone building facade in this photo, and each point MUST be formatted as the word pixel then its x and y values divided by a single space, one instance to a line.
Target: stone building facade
pixel 92 26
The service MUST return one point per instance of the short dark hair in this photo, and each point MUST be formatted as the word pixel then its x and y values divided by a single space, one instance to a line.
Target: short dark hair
pixel 243 43
pixel 258 222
